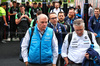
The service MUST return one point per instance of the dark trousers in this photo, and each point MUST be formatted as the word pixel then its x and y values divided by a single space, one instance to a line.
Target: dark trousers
pixel 60 61
pixel 6 30
pixel 13 28
pixel 39 64
pixel 21 33
pixel 1 32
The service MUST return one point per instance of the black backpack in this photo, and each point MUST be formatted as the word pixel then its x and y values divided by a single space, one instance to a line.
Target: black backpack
pixel 70 37
pixel 20 57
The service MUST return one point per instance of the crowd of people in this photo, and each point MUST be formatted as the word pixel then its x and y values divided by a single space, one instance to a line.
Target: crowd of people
pixel 57 38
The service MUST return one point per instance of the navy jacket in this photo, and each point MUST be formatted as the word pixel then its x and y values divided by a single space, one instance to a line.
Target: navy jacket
pixel 94 58
pixel 70 21
pixel 94 25
pixel 60 33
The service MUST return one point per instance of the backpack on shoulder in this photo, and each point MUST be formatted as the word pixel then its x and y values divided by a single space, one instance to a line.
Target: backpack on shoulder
pixel 70 37
pixel 31 33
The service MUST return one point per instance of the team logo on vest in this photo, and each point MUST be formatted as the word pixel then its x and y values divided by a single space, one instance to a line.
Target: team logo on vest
pixel 47 34
pixel 74 39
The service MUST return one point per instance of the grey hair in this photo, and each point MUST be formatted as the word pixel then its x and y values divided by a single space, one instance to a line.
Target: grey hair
pixel 79 22
pixel 41 15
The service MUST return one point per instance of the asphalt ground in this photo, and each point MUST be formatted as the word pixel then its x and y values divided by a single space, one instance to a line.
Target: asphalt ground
pixel 9 54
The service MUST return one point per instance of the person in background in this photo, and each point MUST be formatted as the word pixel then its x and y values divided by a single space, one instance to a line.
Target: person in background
pixel 39 5
pixel 27 7
pixel 61 17
pixel 90 10
pixel 13 27
pixel 23 20
pixel 33 22
pixel 2 20
pixel 11 4
pixel 94 24
pixel 33 10
pixel 52 7
pixel 57 8
pixel 70 18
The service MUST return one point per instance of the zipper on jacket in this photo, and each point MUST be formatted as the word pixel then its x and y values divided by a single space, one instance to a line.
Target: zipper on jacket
pixel 40 50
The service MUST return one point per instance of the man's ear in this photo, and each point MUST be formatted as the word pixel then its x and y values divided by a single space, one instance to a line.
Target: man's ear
pixel 36 21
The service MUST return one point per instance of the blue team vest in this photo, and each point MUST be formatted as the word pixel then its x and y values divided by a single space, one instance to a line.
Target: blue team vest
pixel 40 51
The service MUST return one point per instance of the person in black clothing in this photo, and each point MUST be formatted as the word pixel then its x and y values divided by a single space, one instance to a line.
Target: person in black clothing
pixel 23 20
pixel 27 7
pixel 34 10
pixel 33 22
pixel 39 5
pixel 79 9
pixel 13 10
pixel 18 4
pixel 52 7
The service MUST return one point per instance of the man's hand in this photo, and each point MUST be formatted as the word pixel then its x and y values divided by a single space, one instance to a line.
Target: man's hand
pixel 22 16
pixel 87 55
pixel 26 63
pixel 26 16
pixel 15 13
pixel 95 34
pixel 66 60
pixel 6 24
pixel 53 64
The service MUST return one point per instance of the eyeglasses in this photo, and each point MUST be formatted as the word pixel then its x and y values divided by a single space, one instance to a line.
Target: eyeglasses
pixel 54 18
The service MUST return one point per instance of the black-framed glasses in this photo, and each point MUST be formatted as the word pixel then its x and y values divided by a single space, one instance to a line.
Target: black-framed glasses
pixel 54 18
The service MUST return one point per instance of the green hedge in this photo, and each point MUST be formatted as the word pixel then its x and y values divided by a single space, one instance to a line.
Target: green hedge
pixel 34 0
pixel 4 1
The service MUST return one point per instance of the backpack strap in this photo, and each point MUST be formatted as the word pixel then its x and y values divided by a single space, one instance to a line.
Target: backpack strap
pixel 90 36
pixel 69 38
pixel 31 33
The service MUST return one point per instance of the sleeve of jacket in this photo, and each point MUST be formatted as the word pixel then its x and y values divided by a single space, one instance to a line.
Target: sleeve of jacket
pixel 64 47
pixel 64 32
pixel 55 48
pixel 24 46
pixel 90 24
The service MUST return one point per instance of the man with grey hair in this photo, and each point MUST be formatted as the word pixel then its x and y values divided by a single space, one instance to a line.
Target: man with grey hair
pixel 74 51
pixel 43 49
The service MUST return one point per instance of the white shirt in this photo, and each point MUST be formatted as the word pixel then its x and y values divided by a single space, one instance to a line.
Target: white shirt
pixel 90 11
pixel 78 46
pixel 25 44
pixel 56 11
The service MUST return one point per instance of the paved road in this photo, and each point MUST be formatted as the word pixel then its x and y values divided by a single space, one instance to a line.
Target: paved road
pixel 9 54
